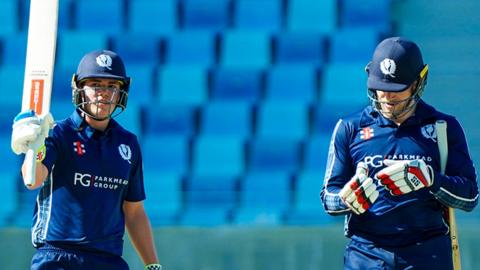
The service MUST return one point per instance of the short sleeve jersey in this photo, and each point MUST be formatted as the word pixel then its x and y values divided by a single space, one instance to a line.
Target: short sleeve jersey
pixel 91 174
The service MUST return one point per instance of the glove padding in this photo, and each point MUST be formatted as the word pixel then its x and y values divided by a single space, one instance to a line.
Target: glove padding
pixel 404 176
pixel 360 192
pixel 30 131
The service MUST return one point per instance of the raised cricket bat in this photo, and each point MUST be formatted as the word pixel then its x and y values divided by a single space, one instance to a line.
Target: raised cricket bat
pixel 441 127
pixel 37 84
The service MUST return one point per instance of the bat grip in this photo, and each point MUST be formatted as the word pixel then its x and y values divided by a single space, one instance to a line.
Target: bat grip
pixel 30 168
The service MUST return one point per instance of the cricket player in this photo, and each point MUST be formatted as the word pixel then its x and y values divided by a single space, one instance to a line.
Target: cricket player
pixel 383 169
pixel 90 175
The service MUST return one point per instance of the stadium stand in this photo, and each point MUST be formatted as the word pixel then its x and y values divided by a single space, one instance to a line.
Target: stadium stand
pixel 191 48
pixel 90 16
pixel 9 14
pixel 234 98
pixel 151 17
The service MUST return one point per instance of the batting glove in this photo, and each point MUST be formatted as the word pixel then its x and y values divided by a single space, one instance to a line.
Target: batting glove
pixel 360 192
pixel 404 176
pixel 30 131
pixel 153 266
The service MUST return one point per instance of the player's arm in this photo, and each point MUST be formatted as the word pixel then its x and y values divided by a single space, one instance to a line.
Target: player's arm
pixel 343 193
pixel 41 174
pixel 457 188
pixel 140 232
pixel 31 130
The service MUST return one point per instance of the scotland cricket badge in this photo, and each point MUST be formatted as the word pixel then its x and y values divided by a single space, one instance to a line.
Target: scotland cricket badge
pixel 105 61
pixel 429 132
pixel 125 152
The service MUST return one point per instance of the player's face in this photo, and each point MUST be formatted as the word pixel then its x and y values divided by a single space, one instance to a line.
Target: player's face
pixel 101 96
pixel 393 103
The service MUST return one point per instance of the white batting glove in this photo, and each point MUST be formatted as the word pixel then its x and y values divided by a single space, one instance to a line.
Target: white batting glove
pixel 404 176
pixel 30 131
pixel 360 192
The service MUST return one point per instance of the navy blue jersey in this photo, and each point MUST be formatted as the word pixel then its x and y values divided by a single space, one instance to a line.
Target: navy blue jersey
pixel 91 174
pixel 399 220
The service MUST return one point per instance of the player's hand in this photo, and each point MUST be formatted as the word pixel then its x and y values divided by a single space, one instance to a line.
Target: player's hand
pixel 30 131
pixel 404 176
pixel 360 192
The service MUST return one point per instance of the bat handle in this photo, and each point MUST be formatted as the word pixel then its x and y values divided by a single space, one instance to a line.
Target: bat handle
pixel 30 168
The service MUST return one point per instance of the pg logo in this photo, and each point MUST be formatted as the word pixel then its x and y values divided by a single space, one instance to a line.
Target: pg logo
pixel 82 179
pixel 374 161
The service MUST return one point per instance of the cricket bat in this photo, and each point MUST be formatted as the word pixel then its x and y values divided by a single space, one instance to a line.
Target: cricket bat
pixel 40 60
pixel 441 128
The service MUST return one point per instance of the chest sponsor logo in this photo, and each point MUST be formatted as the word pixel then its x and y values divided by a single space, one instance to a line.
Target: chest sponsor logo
pixel 429 132
pixel 79 148
pixel 96 181
pixel 366 133
pixel 376 161
pixel 125 152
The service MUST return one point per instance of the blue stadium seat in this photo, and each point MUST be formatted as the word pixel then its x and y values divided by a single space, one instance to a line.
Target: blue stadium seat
pixel 300 48
pixel 9 17
pixel 130 118
pixel 10 175
pixel 326 116
pixel 343 50
pixel 264 199
pixel 203 217
pixel 153 17
pixel 10 161
pixel 7 114
pixel 297 83
pixel 209 200
pixel 8 206
pixel 316 152
pixel 182 84
pixel 101 16
pixel 166 154
pixel 72 46
pixel 245 49
pixel 371 13
pixel 218 156
pixel 258 15
pixel 274 154
pixel 15 50
pixel 142 85
pixel 23 217
pixel 164 196
pixel 312 16
pixel 62 109
pixel 205 14
pixel 195 48
pixel 65 15
pixel 137 48
pixel 226 118
pixel 283 119
pixel 62 84
pixel 237 84
pixel 11 85
pixel 307 208
pixel 169 120
pixel 337 90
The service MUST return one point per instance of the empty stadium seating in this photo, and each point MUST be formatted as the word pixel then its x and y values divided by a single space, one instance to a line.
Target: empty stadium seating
pixel 233 101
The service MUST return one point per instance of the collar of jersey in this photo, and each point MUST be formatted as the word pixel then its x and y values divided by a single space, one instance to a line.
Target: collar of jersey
pixel 423 111
pixel 80 123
